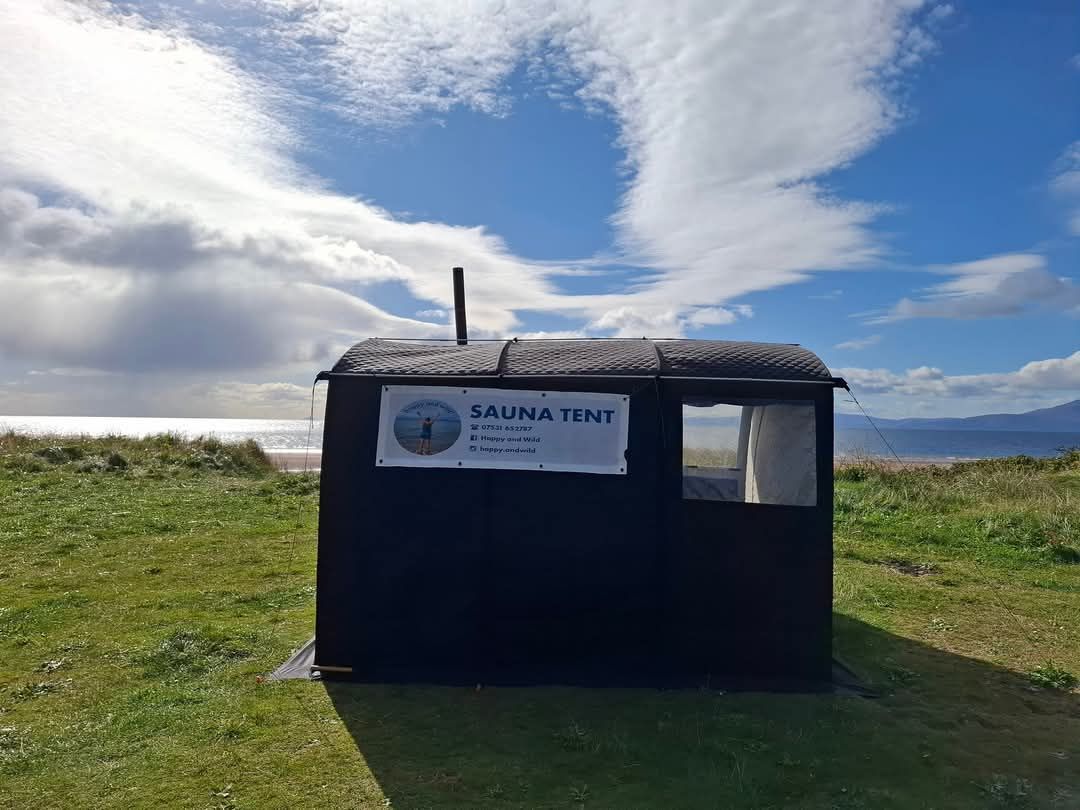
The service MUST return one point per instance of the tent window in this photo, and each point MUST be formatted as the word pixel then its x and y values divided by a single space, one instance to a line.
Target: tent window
pixel 750 451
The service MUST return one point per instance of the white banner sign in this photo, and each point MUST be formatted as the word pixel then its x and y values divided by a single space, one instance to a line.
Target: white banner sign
pixel 440 426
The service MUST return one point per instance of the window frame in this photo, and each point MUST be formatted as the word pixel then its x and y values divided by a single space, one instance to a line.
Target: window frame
pixel 716 396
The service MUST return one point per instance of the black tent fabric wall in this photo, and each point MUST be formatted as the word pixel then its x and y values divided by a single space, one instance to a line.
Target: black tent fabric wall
pixel 466 576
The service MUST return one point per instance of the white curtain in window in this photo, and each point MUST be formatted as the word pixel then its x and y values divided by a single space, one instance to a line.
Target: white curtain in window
pixel 781 457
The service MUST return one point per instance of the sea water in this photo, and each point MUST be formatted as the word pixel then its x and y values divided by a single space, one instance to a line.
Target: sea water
pixel 271 434
pixel 954 444
pixel 292 434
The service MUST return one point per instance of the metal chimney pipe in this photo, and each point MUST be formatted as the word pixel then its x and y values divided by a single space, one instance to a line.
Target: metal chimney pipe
pixel 459 306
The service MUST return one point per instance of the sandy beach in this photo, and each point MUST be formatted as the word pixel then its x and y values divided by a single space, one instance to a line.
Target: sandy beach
pixel 295 460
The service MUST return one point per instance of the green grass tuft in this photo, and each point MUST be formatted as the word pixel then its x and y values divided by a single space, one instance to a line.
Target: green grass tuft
pixel 191 651
pixel 155 455
pixel 1053 677
pixel 60 455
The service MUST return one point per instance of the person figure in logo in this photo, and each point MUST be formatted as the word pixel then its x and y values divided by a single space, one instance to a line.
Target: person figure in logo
pixel 424 448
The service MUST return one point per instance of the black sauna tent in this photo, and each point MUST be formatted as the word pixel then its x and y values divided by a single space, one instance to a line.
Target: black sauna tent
pixel 670 574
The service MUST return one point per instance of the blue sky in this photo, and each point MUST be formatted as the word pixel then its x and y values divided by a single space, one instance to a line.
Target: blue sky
pixel 202 203
pixel 965 173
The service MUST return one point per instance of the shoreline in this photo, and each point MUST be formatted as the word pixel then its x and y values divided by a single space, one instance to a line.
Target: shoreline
pixel 913 461
pixel 294 460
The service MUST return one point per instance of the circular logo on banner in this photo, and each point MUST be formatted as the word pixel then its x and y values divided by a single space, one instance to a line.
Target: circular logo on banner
pixel 427 427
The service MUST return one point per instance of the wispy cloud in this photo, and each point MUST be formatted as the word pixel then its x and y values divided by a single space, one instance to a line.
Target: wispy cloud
pixel 1001 285
pixel 1065 185
pixel 744 163
pixel 70 372
pixel 1040 377
pixel 435 315
pixel 859 343
pixel 638 321
pixel 156 214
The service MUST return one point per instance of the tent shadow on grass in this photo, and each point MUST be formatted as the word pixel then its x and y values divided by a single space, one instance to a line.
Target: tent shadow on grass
pixel 946 731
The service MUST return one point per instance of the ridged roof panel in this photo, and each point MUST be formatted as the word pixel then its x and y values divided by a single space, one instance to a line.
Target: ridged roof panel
pixel 721 359
pixel 622 357
pixel 740 360
pixel 378 356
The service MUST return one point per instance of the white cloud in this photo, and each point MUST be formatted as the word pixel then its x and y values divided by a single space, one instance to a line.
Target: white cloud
pixel 715 316
pixel 128 293
pixel 179 232
pixel 660 321
pixel 154 213
pixel 859 343
pixel 1006 284
pixel 1065 185
pixel 722 198
pixel 389 61
pixel 279 400
pixel 156 394
pixel 940 13
pixel 435 315
pixel 557 334
pixel 71 372
pixel 1039 377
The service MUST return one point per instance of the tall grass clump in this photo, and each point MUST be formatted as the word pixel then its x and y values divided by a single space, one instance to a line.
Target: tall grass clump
pixel 709 457
pixel 1011 479
pixel 166 453
pixel 1021 503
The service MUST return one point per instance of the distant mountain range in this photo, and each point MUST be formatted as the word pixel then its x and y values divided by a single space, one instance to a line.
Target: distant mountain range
pixel 1059 419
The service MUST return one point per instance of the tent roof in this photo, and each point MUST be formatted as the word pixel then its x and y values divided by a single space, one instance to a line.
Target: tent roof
pixel 599 357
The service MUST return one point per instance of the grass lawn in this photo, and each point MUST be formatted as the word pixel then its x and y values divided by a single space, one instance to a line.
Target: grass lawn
pixel 145 585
